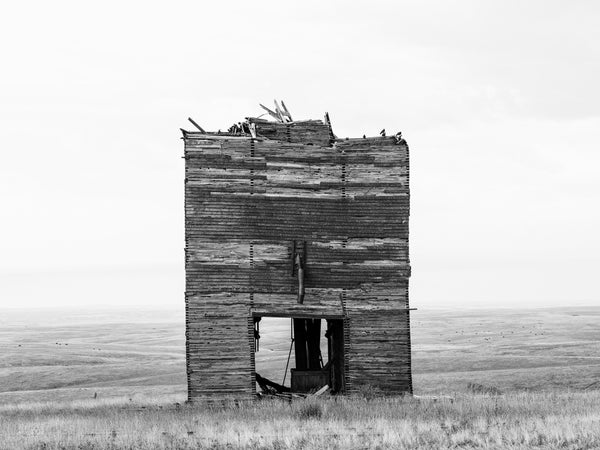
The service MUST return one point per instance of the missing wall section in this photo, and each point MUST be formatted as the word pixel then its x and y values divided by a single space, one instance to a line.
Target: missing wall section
pixel 299 354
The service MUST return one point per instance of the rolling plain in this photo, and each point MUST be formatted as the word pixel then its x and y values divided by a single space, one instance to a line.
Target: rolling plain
pixel 483 378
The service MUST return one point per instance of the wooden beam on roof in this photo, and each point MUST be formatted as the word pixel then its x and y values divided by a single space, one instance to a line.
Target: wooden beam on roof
pixel 287 113
pixel 278 111
pixel 196 125
pixel 332 136
pixel 281 113
pixel 271 113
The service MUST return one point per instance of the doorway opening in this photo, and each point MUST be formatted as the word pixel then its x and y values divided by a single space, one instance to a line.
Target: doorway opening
pixel 299 354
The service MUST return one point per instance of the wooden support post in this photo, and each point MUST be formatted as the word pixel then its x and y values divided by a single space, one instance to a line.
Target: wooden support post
pixel 335 335
pixel 313 343
pixel 307 339
pixel 300 344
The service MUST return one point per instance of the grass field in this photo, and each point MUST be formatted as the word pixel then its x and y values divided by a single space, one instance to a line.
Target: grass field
pixel 512 421
pixel 111 379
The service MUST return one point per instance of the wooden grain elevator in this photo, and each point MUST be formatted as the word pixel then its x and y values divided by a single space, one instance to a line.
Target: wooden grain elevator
pixel 284 219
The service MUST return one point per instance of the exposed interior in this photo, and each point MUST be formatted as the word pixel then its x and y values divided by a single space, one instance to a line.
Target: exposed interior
pixel 298 354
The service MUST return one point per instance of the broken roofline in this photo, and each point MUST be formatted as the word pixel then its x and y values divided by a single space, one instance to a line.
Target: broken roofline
pixel 284 129
pixel 283 122
pixel 249 121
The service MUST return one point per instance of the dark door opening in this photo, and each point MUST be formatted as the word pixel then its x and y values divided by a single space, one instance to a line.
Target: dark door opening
pixel 299 354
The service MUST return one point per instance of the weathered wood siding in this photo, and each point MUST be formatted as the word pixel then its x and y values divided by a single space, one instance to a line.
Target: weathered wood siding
pixel 247 200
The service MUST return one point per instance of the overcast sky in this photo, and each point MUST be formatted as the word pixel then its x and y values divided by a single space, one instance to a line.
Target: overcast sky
pixel 499 102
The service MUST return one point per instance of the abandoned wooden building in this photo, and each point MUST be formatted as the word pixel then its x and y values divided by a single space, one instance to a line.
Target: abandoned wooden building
pixel 284 219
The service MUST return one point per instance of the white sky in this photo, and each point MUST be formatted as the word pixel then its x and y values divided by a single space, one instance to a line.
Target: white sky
pixel 499 102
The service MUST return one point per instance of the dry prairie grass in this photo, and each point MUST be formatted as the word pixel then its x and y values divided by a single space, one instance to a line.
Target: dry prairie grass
pixel 544 420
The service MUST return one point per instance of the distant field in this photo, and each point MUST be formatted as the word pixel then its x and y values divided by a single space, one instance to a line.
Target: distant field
pixel 66 354
pixel 529 349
